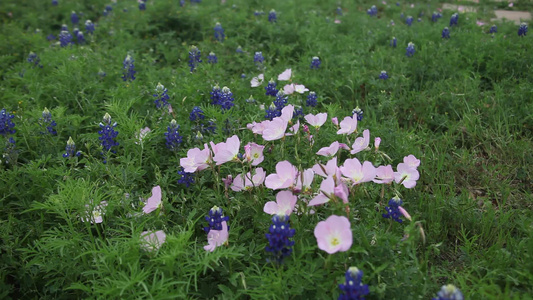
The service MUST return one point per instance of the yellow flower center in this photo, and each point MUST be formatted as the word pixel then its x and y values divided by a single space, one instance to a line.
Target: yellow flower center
pixel 335 241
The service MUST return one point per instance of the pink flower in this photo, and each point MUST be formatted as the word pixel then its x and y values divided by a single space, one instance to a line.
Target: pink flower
pixel 411 161
pixel 358 173
pixel 142 134
pixel 286 75
pixel 329 151
pixel 348 126
pixel 337 21
pixel 154 202
pixel 249 181
pixel 96 215
pixel 327 190
pixel 288 89
pixel 341 191
pixel 196 160
pixel 287 112
pixel 257 81
pixel 404 213
pixel 480 23
pixel 316 120
pixel 384 174
pixel 406 175
pixel 293 129
pixel 335 121
pixel 300 89
pixel 216 238
pixel 226 151
pixel 334 234
pixel 304 180
pixel 284 178
pixel 275 130
pixel 284 204
pixel 170 108
pixel 258 128
pixel 361 143
pixel 377 142
pixel 330 169
pixel 152 241
pixel 227 181
pixel 254 153
pixel 511 4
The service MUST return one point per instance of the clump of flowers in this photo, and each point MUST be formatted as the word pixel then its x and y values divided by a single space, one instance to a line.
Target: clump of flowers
pixel 128 69
pixel 410 50
pixel 65 38
pixel 359 112
pixel 383 75
pixel 272 17
pixel 449 292
pixel 436 16
pixel 212 58
pixel 315 62
pixel 6 123
pixel 196 114
pixel 186 178
pixel 353 288
pixel 409 20
pixel 34 59
pixel 89 27
pixel 172 136
pixel 194 58
pixel 259 60
pixel 226 98
pixel 219 32
pixel 107 135
pixel 217 230
pixel 454 19
pixel 395 211
pixel 48 122
pixel 215 219
pixel 522 30
pixel 279 243
pixel 373 11
pixel 71 149
pixel 161 96
pixel 271 88
pixel 445 33
pixel 311 99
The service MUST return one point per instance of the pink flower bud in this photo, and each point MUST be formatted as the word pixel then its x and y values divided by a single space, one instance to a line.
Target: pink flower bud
pixel 377 142
pixel 335 121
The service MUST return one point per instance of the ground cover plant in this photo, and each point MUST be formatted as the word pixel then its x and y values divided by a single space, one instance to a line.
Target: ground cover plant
pixel 264 149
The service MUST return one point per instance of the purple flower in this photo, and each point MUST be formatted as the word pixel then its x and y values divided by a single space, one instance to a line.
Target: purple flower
pixel 71 149
pixel 279 243
pixel 172 136
pixel 128 69
pixel 353 288
pixel 445 33
pixel 89 27
pixel 194 57
pixel 74 18
pixel 219 32
pixel 272 17
pixel 311 99
pixel 383 75
pixel 315 62
pixel 410 50
pixel 271 88
pixel 47 120
pixel 107 135
pixel 522 30
pixel 161 96
pixel 212 58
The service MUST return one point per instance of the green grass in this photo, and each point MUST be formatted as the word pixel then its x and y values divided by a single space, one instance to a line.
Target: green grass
pixel 462 106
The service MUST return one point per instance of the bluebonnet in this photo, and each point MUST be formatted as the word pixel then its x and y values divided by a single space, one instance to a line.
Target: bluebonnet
pixel 186 178
pixel 397 3
pixel 6 123
pixel 454 19
pixel 271 112
pixel 493 29
pixel 243 75
pixel 172 136
pixel 70 149
pixel 54 2
pixel 65 38
pixel 250 100
pixel 315 62
pixel 128 69
pixel 393 211
pixel 108 8
pixel 196 114
pixel 409 21
pixel 161 96
pixel 50 37
pixel 402 16
pixel 47 120
pixel 105 13
pixel 258 60
pixel 74 18
pixel 393 42
pixel 75 32
pixel 445 33
pixel 436 16
pixel 194 57
pixel 107 135
pixel 142 5
pixel 298 113
pixel 219 32
pixel 258 13
pixel 281 100
pixel 226 98
pixel 522 30
pixel 34 59
pixel 239 50
pixel 383 75
pixel 81 38
pixel 215 219
pixel 10 154
pixel 359 112
pixel 212 58
pixel 449 292
pixel 410 50
pixel 216 93
pixel 182 3
pixel 101 73
pixel 89 27
pixel 311 99
pixel 419 20
pixel 373 11
pixel 64 27
pixel 271 88
pixel 272 17
pixel 339 11
pixel 196 1
pixel 279 243
pixel 353 288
